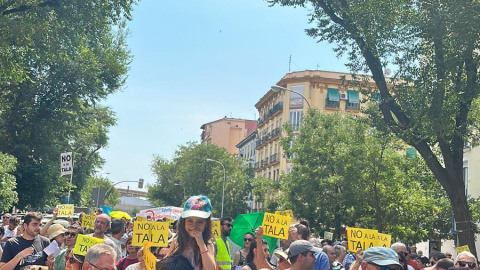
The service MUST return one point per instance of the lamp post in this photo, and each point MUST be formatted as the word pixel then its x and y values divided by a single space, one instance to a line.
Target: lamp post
pixel 276 89
pixel 178 184
pixel 223 186
pixel 110 188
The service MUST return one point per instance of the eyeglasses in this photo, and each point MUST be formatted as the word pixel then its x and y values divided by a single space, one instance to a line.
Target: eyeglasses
pixel 247 239
pixel 113 268
pixel 72 234
pixel 463 264
pixel 228 225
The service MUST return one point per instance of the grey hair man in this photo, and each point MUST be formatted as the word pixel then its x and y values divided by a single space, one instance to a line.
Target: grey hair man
pixel 466 260
pixel 340 252
pixel 102 224
pixel 100 257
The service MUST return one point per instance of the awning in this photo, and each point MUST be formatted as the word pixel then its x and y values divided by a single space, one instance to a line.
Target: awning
pixel 332 94
pixel 353 96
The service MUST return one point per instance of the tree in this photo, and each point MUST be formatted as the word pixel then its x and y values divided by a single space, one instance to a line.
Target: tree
pixel 8 195
pixel 189 172
pixel 58 60
pixel 359 176
pixel 113 196
pixel 428 101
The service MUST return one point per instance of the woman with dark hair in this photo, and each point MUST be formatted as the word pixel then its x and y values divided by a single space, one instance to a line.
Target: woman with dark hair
pixel 239 257
pixel 131 257
pixel 194 233
pixel 73 261
pixel 256 257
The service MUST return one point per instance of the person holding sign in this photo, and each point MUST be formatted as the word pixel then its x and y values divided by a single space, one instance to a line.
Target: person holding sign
pixel 257 257
pixel 380 258
pixel 193 239
pixel 70 239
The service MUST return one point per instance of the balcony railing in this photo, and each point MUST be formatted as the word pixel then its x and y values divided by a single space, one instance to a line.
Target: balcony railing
pixel 277 107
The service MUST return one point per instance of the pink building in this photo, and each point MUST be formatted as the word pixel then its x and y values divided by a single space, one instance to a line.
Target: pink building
pixel 228 132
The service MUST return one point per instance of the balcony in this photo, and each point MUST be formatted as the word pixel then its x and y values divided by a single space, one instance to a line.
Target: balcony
pixel 277 107
pixel 273 158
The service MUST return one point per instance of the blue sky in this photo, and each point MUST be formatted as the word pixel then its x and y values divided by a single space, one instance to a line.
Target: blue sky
pixel 195 62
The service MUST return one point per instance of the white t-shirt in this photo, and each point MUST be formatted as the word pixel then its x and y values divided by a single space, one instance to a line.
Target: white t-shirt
pixel 9 233
pixel 135 266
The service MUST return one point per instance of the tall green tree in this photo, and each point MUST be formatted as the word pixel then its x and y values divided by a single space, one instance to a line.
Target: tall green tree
pixel 347 173
pixel 8 195
pixel 433 47
pixel 58 61
pixel 113 196
pixel 189 173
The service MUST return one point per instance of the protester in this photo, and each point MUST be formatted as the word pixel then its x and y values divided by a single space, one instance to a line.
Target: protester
pixel 70 239
pixel 282 262
pixel 174 263
pixel 442 264
pixel 284 245
pixel 44 229
pixel 25 249
pixel 340 252
pixel 117 231
pixel 301 255
pixel 131 257
pixel 74 261
pixel 257 257
pixel 326 242
pixel 239 257
pixel 2 232
pixel 11 228
pixel 102 224
pixel 6 219
pixel 466 260
pixel 435 256
pixel 193 239
pixel 57 232
pixel 422 262
pixel 376 258
pixel 349 257
pixel 303 230
pixel 358 260
pixel 222 256
pixel 100 257
pixel 161 253
pixel 403 254
pixel 330 254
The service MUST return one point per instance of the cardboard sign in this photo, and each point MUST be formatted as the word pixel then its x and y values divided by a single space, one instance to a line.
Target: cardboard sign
pixel 276 225
pixel 65 210
pixel 84 242
pixel 216 231
pixel 328 235
pixel 361 238
pixel 288 213
pixel 384 240
pixel 150 231
pixel 462 248
pixel 149 259
pixel 66 163
pixel 88 221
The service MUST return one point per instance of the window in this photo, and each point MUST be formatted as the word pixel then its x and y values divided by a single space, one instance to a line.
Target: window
pixel 295 99
pixel 333 98
pixel 296 119
pixel 353 102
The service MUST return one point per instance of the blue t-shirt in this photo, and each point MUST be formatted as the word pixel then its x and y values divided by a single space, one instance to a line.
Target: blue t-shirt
pixel 321 261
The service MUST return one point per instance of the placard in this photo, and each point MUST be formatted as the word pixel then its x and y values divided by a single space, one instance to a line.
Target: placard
pixel 149 259
pixel 66 163
pixel 88 221
pixel 328 235
pixel 65 210
pixel 361 238
pixel 84 242
pixel 383 240
pixel 462 248
pixel 216 231
pixel 150 231
pixel 276 225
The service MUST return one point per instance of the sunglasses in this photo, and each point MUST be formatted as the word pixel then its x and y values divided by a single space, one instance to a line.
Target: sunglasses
pixel 463 264
pixel 228 225
pixel 385 267
pixel 72 234
pixel 71 260
pixel 404 253
pixel 247 239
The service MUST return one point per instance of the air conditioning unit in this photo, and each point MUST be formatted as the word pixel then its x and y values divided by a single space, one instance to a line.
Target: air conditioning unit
pixel 344 95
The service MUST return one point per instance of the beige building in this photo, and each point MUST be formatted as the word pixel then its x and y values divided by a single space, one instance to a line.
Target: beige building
pixel 228 132
pixel 323 90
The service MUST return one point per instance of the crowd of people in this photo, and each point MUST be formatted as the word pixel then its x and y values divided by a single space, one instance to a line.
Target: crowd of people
pixel 191 246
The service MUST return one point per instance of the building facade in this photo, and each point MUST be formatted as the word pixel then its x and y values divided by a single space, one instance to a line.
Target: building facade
pixel 227 132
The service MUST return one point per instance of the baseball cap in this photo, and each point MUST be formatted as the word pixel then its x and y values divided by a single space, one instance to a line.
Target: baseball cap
pixel 381 256
pixel 197 206
pixel 301 246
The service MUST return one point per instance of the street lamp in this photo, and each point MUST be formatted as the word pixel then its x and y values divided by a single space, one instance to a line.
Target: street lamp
pixel 223 186
pixel 178 184
pixel 106 192
pixel 276 89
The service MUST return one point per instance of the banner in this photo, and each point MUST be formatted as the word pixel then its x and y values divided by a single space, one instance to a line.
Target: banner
pixel 150 231
pixel 162 212
pixel 88 221
pixel 148 257
pixel 276 225
pixel 84 242
pixel 216 231
pixel 366 238
pixel 65 210
pixel 66 163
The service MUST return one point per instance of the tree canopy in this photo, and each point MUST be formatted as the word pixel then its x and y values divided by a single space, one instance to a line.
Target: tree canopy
pixel 432 47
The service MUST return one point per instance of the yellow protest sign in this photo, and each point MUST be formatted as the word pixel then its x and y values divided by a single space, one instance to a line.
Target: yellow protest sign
pixel 150 231
pixel 383 240
pixel 148 257
pixel 84 242
pixel 288 213
pixel 65 210
pixel 88 221
pixel 139 218
pixel 276 225
pixel 216 232
pixel 462 248
pixel 361 238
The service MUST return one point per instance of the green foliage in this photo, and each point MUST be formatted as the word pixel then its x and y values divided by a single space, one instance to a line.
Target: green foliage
pixel 113 196
pixel 359 176
pixel 58 60
pixel 8 195
pixel 194 175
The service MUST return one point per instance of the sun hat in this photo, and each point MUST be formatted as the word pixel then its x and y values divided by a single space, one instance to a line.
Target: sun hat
pixel 197 206
pixel 301 246
pixel 282 254
pixel 55 230
pixel 381 256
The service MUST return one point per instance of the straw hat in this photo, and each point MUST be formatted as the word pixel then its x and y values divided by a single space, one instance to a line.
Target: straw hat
pixel 55 230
